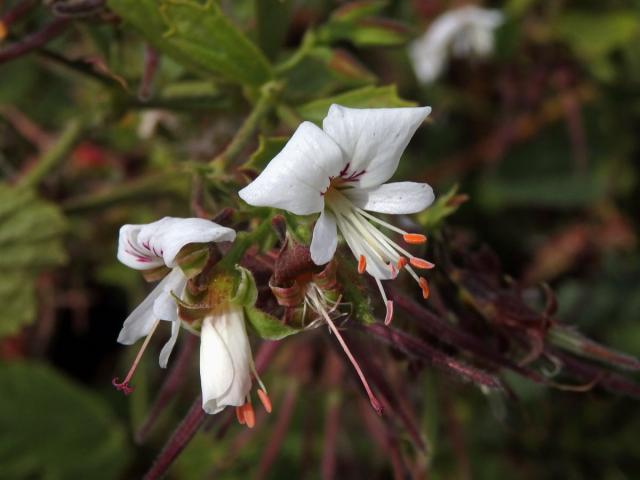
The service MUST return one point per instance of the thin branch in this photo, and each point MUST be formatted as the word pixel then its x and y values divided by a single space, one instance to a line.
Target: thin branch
pixel 35 40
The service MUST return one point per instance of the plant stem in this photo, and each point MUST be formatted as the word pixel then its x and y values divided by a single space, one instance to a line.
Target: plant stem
pixel 263 106
pixel 142 189
pixel 54 155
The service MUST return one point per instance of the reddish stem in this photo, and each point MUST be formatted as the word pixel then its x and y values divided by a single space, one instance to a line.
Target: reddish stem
pixel 34 40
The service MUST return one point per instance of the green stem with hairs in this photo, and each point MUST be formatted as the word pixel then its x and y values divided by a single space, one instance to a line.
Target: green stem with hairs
pixel 266 101
pixel 54 155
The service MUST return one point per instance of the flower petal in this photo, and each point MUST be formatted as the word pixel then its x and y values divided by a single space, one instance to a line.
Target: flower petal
pixel 158 243
pixel 396 198
pixel 168 347
pixel 225 356
pixel 325 239
pixel 373 139
pixel 297 177
pixel 131 253
pixel 139 323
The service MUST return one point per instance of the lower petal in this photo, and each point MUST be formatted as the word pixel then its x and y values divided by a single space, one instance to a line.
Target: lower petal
pixel 168 347
pixel 325 239
pixel 395 198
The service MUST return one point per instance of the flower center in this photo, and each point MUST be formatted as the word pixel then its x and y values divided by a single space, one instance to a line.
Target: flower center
pixel 375 252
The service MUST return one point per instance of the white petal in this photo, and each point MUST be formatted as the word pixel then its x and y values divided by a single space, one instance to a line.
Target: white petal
pixel 168 347
pixel 167 236
pixel 297 177
pixel 373 139
pixel 165 307
pixel 398 197
pixel 225 356
pixel 139 323
pixel 131 253
pixel 325 239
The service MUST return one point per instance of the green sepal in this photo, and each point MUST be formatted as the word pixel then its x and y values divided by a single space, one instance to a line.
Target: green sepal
pixel 247 291
pixel 267 326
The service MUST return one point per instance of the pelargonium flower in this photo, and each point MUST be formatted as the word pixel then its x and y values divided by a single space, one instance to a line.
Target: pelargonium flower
pixel 226 362
pixel 340 172
pixel 462 32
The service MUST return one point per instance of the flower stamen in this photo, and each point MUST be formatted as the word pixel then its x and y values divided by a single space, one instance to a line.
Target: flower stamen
pixel 424 286
pixel 362 264
pixel 317 304
pixel 248 414
pixel 402 262
pixel 421 263
pixel 124 386
pixel 265 400
pixel 240 416
pixel 414 238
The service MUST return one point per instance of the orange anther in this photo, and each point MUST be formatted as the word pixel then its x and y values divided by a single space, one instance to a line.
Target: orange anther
pixel 414 238
pixel 3 30
pixel 425 287
pixel 362 264
pixel 240 415
pixel 402 262
pixel 420 263
pixel 248 414
pixel 264 398
pixel 389 315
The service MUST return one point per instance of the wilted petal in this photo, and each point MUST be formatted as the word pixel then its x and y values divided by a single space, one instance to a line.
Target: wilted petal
pixel 139 323
pixel 325 239
pixel 396 198
pixel 297 177
pixel 373 139
pixel 225 356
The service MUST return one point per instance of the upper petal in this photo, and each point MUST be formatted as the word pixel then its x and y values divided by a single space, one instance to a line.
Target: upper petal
pixel 167 236
pixel 325 239
pixel 396 198
pixel 373 139
pixel 132 253
pixel 297 177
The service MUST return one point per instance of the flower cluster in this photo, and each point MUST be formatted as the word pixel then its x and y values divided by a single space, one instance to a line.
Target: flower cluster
pixel 340 171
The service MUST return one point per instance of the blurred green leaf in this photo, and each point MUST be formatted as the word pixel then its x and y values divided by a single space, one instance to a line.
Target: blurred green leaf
pixel 31 240
pixel 53 429
pixel 593 36
pixel 366 97
pixel 268 326
pixel 272 18
pixel 268 147
pixel 357 10
pixel 445 205
pixel 197 35
pixel 368 32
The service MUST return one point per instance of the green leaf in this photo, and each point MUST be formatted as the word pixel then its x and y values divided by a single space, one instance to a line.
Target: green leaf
pixel 353 11
pixel 444 206
pixel 53 429
pixel 272 18
pixel 268 147
pixel 31 240
pixel 594 36
pixel 267 326
pixel 198 36
pixel 366 97
pixel 369 32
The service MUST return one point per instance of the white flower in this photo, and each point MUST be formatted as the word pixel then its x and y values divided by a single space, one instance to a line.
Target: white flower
pixel 463 32
pixel 157 244
pixel 339 171
pixel 226 364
